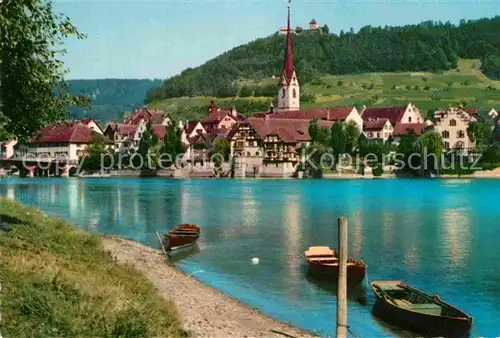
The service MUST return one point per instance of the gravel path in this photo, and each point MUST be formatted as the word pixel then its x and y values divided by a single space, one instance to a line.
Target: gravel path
pixel 205 312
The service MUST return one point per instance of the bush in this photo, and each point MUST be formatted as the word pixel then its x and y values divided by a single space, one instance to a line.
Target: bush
pixel 377 171
pixel 306 97
pixel 340 83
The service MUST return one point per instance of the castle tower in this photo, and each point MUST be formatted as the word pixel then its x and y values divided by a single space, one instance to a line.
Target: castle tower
pixel 289 94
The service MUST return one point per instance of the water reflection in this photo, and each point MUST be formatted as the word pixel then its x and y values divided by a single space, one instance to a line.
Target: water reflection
pixel 291 241
pixel 356 222
pixel 456 237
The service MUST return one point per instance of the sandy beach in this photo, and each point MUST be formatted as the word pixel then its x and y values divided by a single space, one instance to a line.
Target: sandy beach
pixel 205 312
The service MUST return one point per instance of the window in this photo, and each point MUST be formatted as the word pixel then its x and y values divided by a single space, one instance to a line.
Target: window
pixel 445 134
pixel 460 134
pixel 453 123
pixel 370 135
pixel 459 145
pixel 447 145
pixel 378 135
pixel 294 93
pixel 248 154
pixel 409 119
pixel 283 92
pixel 257 154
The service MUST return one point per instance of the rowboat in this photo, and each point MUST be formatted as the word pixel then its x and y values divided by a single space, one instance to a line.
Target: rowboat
pixel 410 308
pixel 324 263
pixel 182 236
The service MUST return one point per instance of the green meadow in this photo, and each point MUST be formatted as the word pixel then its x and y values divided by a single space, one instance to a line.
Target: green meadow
pixel 465 85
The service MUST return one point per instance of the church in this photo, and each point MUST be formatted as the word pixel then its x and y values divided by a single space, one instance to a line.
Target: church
pixel 269 144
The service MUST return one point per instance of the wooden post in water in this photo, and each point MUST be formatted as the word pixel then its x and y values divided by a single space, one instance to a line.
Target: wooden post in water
pixel 342 283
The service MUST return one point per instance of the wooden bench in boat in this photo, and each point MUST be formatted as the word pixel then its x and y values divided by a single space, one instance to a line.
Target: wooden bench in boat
pixel 428 308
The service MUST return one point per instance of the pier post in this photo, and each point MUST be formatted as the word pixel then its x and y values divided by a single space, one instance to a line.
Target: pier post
pixel 342 283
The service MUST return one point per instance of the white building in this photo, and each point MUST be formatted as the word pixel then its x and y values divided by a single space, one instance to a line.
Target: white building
pixel 452 123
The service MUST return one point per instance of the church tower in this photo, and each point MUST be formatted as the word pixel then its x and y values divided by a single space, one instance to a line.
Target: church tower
pixel 289 94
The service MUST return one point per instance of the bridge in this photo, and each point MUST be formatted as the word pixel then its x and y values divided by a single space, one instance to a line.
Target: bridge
pixel 30 165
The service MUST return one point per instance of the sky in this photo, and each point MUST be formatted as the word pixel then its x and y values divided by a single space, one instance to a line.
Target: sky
pixel 160 38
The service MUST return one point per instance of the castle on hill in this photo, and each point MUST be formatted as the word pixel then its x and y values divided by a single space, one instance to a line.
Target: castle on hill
pixel 313 27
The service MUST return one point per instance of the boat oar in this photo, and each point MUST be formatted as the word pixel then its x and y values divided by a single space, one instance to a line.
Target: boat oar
pixel 161 243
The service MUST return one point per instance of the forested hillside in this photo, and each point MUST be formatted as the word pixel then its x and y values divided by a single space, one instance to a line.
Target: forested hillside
pixel 428 46
pixel 109 98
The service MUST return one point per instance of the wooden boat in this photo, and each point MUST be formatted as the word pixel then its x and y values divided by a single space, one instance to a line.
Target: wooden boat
pixel 418 311
pixel 182 236
pixel 324 263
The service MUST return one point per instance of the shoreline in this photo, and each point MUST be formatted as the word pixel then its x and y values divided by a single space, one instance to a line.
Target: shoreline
pixel 204 310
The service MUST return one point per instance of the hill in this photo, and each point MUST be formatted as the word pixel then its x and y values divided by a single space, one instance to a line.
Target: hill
pixel 465 85
pixel 426 47
pixel 109 98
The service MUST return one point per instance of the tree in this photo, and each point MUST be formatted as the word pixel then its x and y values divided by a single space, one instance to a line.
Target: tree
pixel 33 92
pixel 172 144
pixel 352 135
pixel 313 130
pixel 375 149
pixel 406 148
pixel 325 29
pixel 318 135
pixel 430 145
pixel 92 161
pixel 246 91
pixel 338 140
pixel 481 133
pixel 222 147
pixel 147 144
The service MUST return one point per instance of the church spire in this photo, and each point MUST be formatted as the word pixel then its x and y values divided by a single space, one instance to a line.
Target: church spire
pixel 288 67
pixel 288 95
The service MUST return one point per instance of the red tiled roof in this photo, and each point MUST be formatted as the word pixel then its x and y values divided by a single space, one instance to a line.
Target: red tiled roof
pixel 65 132
pixel 327 114
pixel 313 22
pixel 126 129
pixel 374 124
pixel 472 110
pixel 87 121
pixel 215 116
pixel 288 67
pixel 401 129
pixel 288 130
pixel 159 130
pixel 394 114
pixel 157 118
pixel 146 115
pixel 189 127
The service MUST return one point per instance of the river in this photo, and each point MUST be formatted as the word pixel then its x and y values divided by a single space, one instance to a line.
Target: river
pixel 438 235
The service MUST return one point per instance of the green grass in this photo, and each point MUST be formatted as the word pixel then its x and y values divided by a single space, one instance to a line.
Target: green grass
pixel 389 89
pixel 59 282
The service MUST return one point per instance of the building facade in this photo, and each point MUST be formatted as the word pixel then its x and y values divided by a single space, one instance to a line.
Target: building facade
pixel 452 124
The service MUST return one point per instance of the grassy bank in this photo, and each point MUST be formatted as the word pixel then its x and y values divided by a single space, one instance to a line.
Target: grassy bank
pixel 59 282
